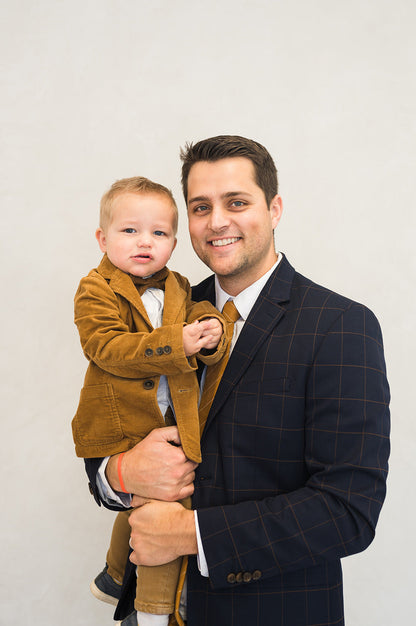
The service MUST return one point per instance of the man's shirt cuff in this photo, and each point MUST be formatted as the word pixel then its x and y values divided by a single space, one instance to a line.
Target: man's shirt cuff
pixel 202 562
pixel 107 494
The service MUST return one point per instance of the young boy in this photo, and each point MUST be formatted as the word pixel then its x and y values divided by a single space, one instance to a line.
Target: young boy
pixel 141 333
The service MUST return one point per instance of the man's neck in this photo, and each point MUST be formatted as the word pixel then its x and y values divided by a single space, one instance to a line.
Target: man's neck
pixel 234 285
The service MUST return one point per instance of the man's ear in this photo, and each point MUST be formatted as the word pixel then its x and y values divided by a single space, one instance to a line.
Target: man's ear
pixel 102 242
pixel 276 210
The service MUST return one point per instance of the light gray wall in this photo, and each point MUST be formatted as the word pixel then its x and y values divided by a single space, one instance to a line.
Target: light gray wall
pixel 96 90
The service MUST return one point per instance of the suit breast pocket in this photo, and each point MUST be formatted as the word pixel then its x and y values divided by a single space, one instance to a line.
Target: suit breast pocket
pixel 270 384
pixel 271 408
pixel 259 400
pixel 97 420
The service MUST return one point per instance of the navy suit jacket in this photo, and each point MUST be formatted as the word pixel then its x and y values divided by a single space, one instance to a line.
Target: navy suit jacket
pixel 295 453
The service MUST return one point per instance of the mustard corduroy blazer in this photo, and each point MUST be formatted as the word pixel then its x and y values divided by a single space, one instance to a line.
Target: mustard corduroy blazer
pixel 118 403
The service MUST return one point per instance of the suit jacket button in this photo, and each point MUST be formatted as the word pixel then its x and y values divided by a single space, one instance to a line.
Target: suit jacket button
pixel 231 578
pixel 159 350
pixel 256 574
pixel 148 384
pixel 167 349
pixel 247 577
pixel 239 577
pixel 148 352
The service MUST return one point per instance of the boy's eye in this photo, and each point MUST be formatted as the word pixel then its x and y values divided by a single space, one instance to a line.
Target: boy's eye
pixel 129 230
pixel 159 233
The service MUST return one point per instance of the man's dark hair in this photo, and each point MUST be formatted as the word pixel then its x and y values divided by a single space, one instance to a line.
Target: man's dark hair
pixel 229 146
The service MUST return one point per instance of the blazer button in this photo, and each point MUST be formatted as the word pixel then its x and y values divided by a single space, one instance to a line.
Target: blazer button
pixel 231 578
pixel 167 349
pixel 247 577
pixel 159 350
pixel 256 574
pixel 148 352
pixel 239 577
pixel 148 384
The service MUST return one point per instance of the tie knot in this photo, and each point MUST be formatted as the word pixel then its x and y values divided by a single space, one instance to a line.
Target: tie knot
pixel 230 311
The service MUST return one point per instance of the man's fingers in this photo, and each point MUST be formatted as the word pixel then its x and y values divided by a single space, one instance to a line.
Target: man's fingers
pixel 170 434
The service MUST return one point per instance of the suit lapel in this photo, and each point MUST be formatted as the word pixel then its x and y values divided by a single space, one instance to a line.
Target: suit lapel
pixel 265 315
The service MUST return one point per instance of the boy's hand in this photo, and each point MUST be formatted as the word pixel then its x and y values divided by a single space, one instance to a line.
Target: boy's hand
pixel 212 333
pixel 198 335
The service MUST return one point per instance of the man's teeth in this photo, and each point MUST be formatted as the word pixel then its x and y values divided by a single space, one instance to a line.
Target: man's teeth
pixel 224 242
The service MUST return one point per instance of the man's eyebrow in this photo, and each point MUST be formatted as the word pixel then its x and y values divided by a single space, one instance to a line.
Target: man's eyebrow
pixel 198 199
pixel 233 194
pixel 228 194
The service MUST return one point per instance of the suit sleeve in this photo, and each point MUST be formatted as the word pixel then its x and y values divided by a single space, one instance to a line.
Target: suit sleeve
pixel 108 342
pixel 346 430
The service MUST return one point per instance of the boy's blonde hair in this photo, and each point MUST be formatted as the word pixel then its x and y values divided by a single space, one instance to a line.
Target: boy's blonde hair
pixel 138 185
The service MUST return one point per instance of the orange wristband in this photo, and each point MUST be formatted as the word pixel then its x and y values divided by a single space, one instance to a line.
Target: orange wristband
pixel 120 478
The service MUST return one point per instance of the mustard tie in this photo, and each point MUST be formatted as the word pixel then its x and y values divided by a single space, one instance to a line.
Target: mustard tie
pixel 215 372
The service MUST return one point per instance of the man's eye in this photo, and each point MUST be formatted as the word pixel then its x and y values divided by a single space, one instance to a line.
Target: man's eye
pixel 159 233
pixel 201 208
pixel 238 203
pixel 129 230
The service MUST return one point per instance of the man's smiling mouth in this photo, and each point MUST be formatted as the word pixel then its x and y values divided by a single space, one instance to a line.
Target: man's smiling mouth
pixel 223 242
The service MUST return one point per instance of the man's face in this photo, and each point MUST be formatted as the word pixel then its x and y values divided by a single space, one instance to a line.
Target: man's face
pixel 230 224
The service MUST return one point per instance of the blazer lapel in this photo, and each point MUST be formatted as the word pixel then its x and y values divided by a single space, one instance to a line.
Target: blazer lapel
pixel 122 284
pixel 265 315
pixel 175 298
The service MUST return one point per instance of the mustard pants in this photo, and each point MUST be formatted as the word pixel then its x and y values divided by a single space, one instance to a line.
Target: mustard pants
pixel 156 586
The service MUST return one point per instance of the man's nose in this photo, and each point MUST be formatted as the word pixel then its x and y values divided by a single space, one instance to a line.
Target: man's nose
pixel 219 219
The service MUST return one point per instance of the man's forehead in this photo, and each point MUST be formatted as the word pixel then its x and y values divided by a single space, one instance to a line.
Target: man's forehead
pixel 204 174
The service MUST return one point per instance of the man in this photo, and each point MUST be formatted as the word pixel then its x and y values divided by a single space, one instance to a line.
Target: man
pixel 295 446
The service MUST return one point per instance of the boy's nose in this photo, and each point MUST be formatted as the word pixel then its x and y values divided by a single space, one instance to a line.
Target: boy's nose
pixel 143 241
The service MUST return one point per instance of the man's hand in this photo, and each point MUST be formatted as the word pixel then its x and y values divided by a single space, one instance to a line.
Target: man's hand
pixel 161 532
pixel 198 335
pixel 155 468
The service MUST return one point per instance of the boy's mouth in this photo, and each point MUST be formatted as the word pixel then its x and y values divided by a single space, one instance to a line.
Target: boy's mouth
pixel 142 256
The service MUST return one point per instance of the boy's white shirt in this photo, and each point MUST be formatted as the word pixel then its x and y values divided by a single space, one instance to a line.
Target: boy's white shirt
pixel 244 303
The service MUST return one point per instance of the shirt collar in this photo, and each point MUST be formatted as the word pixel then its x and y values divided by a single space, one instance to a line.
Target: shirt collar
pixel 246 299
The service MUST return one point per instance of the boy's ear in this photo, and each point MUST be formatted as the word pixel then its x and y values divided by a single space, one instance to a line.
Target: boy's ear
pixel 102 242
pixel 174 244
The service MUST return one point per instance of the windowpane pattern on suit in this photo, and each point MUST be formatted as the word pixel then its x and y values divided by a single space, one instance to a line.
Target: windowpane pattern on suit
pixel 215 372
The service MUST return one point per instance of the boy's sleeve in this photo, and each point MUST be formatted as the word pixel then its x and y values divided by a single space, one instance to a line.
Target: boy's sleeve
pixel 107 340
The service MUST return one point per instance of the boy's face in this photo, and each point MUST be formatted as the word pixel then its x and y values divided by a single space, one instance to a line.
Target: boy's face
pixel 140 237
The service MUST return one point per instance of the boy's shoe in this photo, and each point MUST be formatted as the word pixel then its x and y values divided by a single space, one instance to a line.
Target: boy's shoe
pixel 131 620
pixel 105 588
